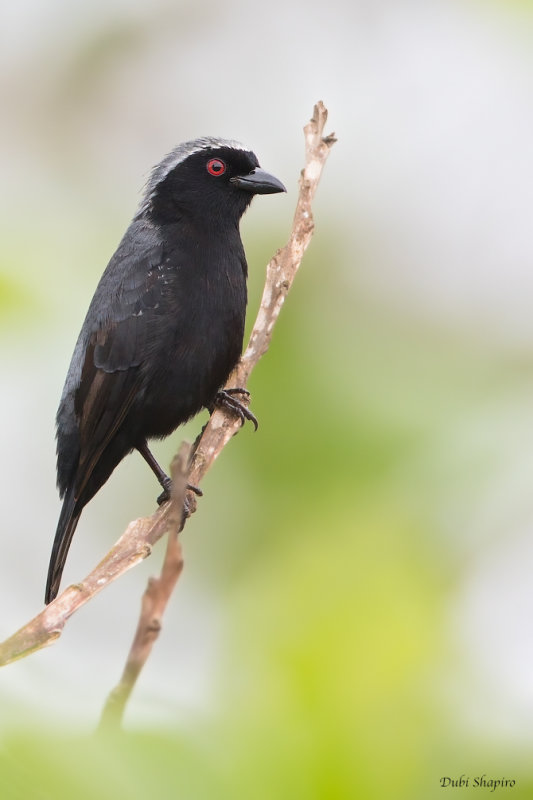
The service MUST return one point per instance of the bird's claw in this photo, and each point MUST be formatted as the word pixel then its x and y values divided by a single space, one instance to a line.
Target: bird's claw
pixel 167 488
pixel 166 483
pixel 225 399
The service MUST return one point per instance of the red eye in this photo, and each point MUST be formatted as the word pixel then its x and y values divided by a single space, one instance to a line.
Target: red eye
pixel 216 167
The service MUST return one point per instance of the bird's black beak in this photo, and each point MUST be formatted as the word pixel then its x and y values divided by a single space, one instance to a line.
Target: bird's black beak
pixel 258 182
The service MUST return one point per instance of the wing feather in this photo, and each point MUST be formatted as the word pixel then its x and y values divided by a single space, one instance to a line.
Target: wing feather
pixel 120 325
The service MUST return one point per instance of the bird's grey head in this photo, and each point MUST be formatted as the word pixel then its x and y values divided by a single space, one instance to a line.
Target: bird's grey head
pixel 224 158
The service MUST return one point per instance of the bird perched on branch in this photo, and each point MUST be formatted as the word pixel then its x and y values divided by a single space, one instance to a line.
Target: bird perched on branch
pixel 164 328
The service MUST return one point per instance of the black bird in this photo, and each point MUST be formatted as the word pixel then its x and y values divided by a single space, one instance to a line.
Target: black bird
pixel 165 326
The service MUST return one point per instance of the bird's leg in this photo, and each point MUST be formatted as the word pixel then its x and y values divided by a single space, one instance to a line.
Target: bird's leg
pixel 161 476
pixel 225 399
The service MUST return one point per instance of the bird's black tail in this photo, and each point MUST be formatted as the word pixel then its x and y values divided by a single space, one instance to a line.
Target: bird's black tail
pixel 68 520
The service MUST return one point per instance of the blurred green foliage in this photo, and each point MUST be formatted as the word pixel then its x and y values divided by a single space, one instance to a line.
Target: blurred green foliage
pixel 332 574
pixel 335 541
pixel 15 298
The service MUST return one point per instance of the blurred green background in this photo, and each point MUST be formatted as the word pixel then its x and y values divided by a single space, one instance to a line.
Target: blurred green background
pixel 354 619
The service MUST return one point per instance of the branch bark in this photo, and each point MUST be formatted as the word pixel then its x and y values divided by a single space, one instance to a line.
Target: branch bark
pixel 155 598
pixel 137 541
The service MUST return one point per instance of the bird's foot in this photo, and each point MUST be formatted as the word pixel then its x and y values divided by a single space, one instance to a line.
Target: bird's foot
pixel 225 399
pixel 161 476
pixel 166 483
pixel 167 489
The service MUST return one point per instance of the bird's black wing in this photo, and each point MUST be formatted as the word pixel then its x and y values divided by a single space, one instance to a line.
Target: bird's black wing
pixel 120 326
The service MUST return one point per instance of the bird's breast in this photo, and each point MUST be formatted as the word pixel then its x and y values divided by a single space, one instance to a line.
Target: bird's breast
pixel 198 340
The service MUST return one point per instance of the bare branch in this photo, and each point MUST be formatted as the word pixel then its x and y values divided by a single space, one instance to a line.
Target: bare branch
pixel 136 542
pixel 280 274
pixel 154 600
